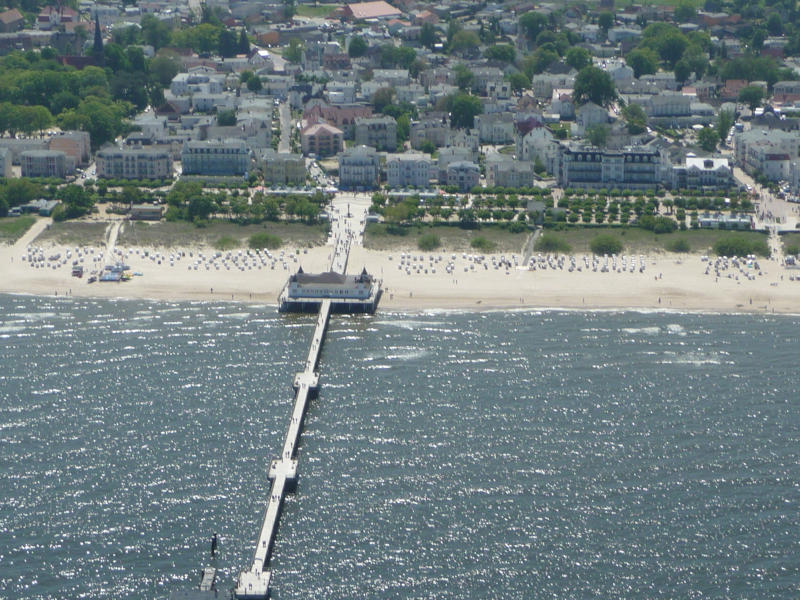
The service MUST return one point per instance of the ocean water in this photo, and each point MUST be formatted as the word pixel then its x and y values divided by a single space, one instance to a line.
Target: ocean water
pixel 491 455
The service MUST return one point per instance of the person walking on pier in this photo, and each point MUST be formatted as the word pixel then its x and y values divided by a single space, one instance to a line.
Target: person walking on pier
pixel 214 545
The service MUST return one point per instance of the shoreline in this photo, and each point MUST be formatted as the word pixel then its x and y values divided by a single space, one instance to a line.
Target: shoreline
pixel 413 281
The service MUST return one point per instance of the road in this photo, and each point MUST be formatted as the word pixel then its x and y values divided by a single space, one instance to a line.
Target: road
pixel 348 216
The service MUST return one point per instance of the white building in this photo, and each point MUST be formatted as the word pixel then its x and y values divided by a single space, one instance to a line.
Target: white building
pixel 410 169
pixel 216 157
pixel 502 171
pixel 379 132
pixel 697 173
pixel 5 162
pixel 359 168
pixel 463 174
pixel 134 163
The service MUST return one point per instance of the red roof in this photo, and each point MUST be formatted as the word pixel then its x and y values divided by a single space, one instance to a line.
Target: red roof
pixel 372 10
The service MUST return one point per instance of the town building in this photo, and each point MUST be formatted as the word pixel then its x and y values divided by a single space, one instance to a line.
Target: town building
pixel 380 132
pixel 359 168
pixel 282 168
pixel 131 162
pixel 503 171
pixel 464 175
pixel 216 157
pixel 321 139
pixel 638 167
pixel 410 169
pixel 431 129
pixel 698 173
pixel 45 163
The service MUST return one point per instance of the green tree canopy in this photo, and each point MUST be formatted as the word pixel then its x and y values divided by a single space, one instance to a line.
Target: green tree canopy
pixel 502 52
pixel 465 42
pixel 463 108
pixel 708 138
pixel 533 23
pixel 635 118
pixel 752 95
pixel 578 58
pixel 428 36
pixel 357 47
pixel 595 85
pixel 643 61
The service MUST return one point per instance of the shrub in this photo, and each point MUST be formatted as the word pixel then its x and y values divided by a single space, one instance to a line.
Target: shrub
pixel 678 245
pixel 605 243
pixel 793 250
pixel 226 242
pixel 482 244
pixel 549 242
pixel 429 241
pixel 264 240
pixel 517 227
pixel 739 245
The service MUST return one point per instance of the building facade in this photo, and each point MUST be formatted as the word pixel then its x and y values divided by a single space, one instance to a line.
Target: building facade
pixel 44 163
pixel 463 174
pixel 134 163
pixel 635 167
pixel 379 132
pixel 216 157
pixel 282 169
pixel 407 170
pixel 321 139
pixel 359 168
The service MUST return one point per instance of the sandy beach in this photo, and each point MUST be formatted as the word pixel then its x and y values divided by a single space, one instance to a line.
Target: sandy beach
pixel 412 280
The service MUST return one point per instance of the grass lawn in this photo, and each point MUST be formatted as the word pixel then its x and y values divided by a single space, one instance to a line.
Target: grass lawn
pixel 641 241
pixel 310 10
pixel 13 228
pixel 180 234
pixel 453 238
pixel 75 233
pixel 789 240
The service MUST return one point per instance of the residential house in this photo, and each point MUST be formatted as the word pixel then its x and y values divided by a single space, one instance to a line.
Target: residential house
pixel 503 171
pixel 380 132
pixel 465 175
pixel 216 157
pixel 5 162
pixel 11 21
pixel 142 162
pixel 497 128
pixel 282 168
pixel 638 167
pixel 75 144
pixel 321 139
pixel 699 173
pixel 431 129
pixel 359 168
pixel 410 169
pixel 46 163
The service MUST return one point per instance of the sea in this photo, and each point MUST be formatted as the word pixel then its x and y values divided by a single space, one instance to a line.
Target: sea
pixel 522 455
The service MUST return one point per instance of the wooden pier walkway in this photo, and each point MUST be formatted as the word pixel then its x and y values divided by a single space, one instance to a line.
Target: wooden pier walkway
pixel 254 584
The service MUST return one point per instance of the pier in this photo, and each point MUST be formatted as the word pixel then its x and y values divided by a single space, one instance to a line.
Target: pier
pixel 254 584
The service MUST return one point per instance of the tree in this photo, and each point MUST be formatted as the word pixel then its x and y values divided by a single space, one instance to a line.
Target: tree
pixel 725 121
pixel 708 139
pixel 518 81
pixel 382 98
pixel 463 108
pixel 464 77
pixel 605 21
pixel 244 42
pixel 595 85
pixel 163 69
pixel 635 118
pixel 501 52
pixel 254 84
pixel 643 61
pixel 672 46
pixel 357 46
pixel 682 71
pixel 428 36
pixel 465 42
pixel 228 44
pixel 226 118
pixel 578 58
pixel 775 24
pixel 294 51
pixel 752 95
pixel 597 134
pixel 533 23
pixel 155 32
pixel 76 202
pixel 685 11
